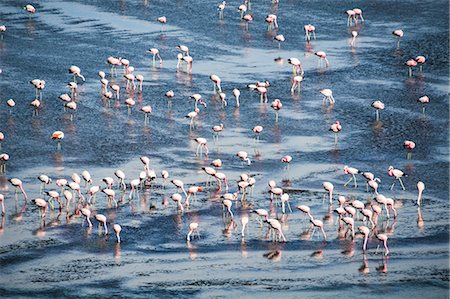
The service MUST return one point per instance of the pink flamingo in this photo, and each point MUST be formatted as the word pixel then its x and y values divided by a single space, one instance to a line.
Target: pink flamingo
pixel 420 188
pixel 221 8
pixel 140 78
pixel 296 66
pixel 296 83
pixel 216 80
pixel 327 95
pixel 319 224
pixel 336 128
pixel 146 110
pixel 3 158
pixel 247 18
pixel 276 105
pixel 193 228
pixel 76 72
pixel 276 225
pixel 351 14
pixel 117 229
pixel 243 9
pixel 420 60
pixel 280 39
pixel 102 219
pixel 398 174
pixel 354 35
pixel 377 105
pixel 287 160
pixel 201 143
pixel 236 94
pixel 383 238
pixel 113 61
pixel 59 136
pixel 271 20
pixel 358 12
pixel 162 20
pixel 352 171
pixel 329 187
pixel 398 34
pixel 424 101
pixel 244 157
pixel 257 130
pixel 155 53
pixel 308 30
pixel 411 63
pixel 189 60
pixel 30 8
pixel 322 56
pixel 409 146
pixel 364 230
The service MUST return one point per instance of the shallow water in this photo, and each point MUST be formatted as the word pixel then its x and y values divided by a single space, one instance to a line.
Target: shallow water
pixel 63 258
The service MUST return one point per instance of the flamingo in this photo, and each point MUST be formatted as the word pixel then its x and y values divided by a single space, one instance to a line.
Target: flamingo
pixel 226 204
pixel 216 80
pixel 180 185
pixel 221 8
pixel 193 228
pixel 236 94
pixel 319 224
pixel 276 105
pixel 162 20
pixel 271 20
pixel 377 105
pixel 409 146
pixel 76 72
pixel 87 214
pixel 296 83
pixel 42 206
pixel 257 130
pixel 424 101
pixel 410 64
pixel 147 110
pixel 336 128
pixel 322 56
pixel 296 66
pixel 130 103
pixel 276 225
pixel 420 60
pixel 308 30
pixel 45 180
pixel 201 142
pixel 398 174
pixel 354 35
pixel 358 12
pixel 3 158
pixel 244 157
pixel 352 171
pixel 216 130
pixel 113 61
pixel 329 187
pixel 243 9
pixel 192 115
pixel 327 95
pixel 30 8
pixel 155 52
pixel 383 238
pixel 364 230
pixel 18 185
pixel 117 229
pixel 398 34
pixel 286 159
pixel 247 18
pixel 102 219
pixel 420 188
pixel 351 15
pixel 280 39
pixel 121 176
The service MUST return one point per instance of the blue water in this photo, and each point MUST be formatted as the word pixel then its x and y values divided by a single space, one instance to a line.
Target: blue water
pixel 63 258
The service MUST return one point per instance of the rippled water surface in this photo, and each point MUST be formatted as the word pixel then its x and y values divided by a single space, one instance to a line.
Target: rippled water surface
pixel 62 257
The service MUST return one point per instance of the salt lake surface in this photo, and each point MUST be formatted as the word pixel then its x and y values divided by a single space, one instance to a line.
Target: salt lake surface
pixel 64 258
